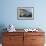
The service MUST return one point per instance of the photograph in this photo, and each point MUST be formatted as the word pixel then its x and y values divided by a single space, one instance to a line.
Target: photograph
pixel 25 13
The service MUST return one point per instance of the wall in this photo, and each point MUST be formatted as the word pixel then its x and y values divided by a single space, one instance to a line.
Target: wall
pixel 9 13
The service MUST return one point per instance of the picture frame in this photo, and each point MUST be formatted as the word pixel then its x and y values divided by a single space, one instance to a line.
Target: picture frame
pixel 25 13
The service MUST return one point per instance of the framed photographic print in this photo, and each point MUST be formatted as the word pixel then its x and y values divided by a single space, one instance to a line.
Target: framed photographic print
pixel 25 13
